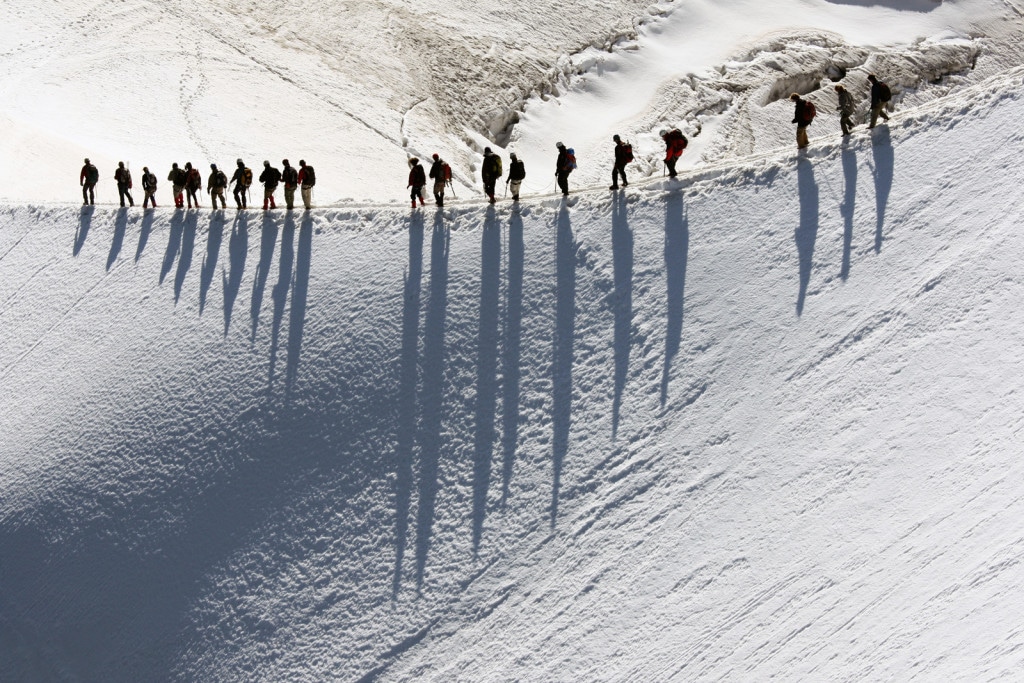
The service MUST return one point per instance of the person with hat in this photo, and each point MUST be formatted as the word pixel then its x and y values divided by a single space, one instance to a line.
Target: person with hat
pixel 417 179
pixel 441 173
pixel 215 185
pixel 88 178
pixel 490 171
pixel 290 178
pixel 270 177
pixel 516 174
pixel 242 178
pixel 307 179
pixel 148 187
pixel 123 178
pixel 564 165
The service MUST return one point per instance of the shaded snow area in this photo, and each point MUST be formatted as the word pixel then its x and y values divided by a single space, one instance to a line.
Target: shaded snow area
pixel 762 422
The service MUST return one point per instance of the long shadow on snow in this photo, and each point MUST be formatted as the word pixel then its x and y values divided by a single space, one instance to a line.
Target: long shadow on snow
pixel 120 227
pixel 145 228
pixel 209 269
pixel 84 223
pixel 807 233
pixel 849 156
pixel 297 317
pixel 561 365
pixel 268 238
pixel 432 393
pixel 188 245
pixel 238 249
pixel 882 151
pixel 487 370
pixel 622 261
pixel 279 294
pixel 510 370
pixel 406 399
pixel 173 242
pixel 677 250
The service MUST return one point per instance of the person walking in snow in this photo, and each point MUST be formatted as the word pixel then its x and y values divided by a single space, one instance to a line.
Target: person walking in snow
pixel 675 143
pixel 148 187
pixel 270 178
pixel 623 155
pixel 88 178
pixel 564 165
pixel 417 179
pixel 215 185
pixel 490 171
pixel 193 184
pixel 846 108
pixel 441 173
pixel 516 174
pixel 123 178
pixel 242 178
pixel 881 95
pixel 177 179
pixel 307 179
pixel 803 114
pixel 290 178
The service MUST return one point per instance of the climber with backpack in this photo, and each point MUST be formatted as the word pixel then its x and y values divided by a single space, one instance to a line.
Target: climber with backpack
pixel 623 155
pixel 307 179
pixel 675 143
pixel 417 179
pixel 270 178
pixel 123 178
pixel 441 172
pixel 881 95
pixel 215 185
pixel 564 165
pixel 193 184
pixel 149 187
pixel 803 113
pixel 177 178
pixel 88 178
pixel 516 174
pixel 242 178
pixel 290 178
pixel 490 171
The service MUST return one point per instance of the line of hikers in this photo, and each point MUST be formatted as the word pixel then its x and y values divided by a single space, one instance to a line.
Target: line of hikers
pixel 805 111
pixel 187 182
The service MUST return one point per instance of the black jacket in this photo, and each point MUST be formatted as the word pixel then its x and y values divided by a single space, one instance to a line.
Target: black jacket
pixel 517 170
pixel 270 177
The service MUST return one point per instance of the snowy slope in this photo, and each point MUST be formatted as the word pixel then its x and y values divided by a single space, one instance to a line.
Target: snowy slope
pixel 763 423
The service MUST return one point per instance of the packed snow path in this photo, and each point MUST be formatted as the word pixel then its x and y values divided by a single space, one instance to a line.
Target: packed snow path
pixel 765 423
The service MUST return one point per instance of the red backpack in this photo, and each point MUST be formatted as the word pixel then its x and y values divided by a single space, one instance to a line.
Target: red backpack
pixel 809 111
pixel 627 152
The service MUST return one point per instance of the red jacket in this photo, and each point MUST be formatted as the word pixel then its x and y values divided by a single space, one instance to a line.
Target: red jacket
pixel 675 143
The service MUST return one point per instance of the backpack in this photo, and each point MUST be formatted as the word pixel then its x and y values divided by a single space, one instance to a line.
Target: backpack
pixel 221 179
pixel 570 160
pixel 181 177
pixel 493 163
pixel 446 172
pixel 290 176
pixel 246 177
pixel 126 177
pixel 627 152
pixel 92 174
pixel 148 181
pixel 309 178
pixel 884 93
pixel 809 111
pixel 193 180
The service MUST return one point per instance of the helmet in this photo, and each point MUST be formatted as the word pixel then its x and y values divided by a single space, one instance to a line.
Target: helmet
pixel 241 163
pixel 213 166
pixel 266 163
pixel 435 157
pixel 487 150
pixel 513 156
pixel 559 145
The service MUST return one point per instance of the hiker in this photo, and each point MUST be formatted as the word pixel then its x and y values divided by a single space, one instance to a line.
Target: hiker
pixel 880 98
pixel 307 179
pixel 516 173
pixel 675 143
pixel 193 183
pixel 564 165
pixel 242 178
pixel 623 155
pixel 215 185
pixel 490 171
pixel 177 179
pixel 803 114
pixel 88 178
pixel 290 178
pixel 441 172
pixel 846 108
pixel 123 178
pixel 417 179
pixel 149 187
pixel 270 178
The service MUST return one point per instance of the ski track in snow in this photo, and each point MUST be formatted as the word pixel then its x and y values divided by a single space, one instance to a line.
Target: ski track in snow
pixel 762 423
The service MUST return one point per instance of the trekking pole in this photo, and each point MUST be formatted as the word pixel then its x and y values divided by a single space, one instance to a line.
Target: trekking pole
pixel 451 186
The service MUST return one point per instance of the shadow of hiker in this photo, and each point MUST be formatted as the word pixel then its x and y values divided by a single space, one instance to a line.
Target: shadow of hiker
pixel 238 248
pixel 676 253
pixel 512 342
pixel 173 242
pixel 807 233
pixel 84 223
pixel 300 292
pixel 268 239
pixel 561 365
pixel 279 294
pixel 486 370
pixel 406 400
pixel 188 245
pixel 145 228
pixel 884 157
pixel 213 240
pixel 120 227
pixel 432 393
pixel 849 156
pixel 622 301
